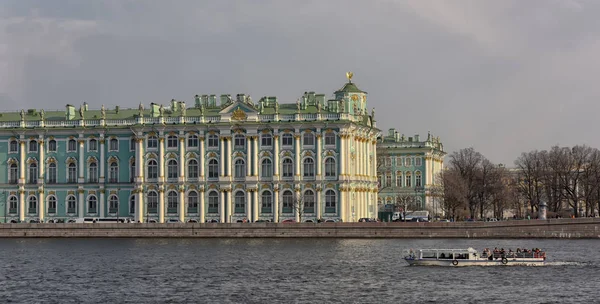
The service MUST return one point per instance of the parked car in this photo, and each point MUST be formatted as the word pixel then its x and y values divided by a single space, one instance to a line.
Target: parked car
pixel 173 221
pixel 366 220
pixel 289 221
pixel 192 221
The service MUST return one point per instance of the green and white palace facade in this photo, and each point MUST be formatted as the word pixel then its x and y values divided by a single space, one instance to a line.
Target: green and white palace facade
pixel 408 173
pixel 222 158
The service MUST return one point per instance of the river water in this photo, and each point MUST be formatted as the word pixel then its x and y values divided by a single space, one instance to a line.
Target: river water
pixel 285 270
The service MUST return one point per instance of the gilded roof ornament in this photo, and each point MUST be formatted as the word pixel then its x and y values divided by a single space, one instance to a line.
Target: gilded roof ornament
pixel 349 76
pixel 239 114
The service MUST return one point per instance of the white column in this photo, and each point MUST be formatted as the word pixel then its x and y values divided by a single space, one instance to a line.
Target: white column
pixel 101 203
pixel 249 153
pixel 22 162
pixel 374 162
pixel 102 160
pixel 222 155
pixel 228 156
pixel 42 163
pixel 276 205
pixel 182 205
pixel 81 202
pixel 21 205
pixel 319 204
pixel 276 158
pixel 368 158
pixel 41 204
pixel 255 205
pixel 222 206
pixel 427 176
pixel 249 205
pixel 140 206
pixel 297 197
pixel 161 205
pixel 297 154
pixel 319 162
pixel 201 158
pixel 256 157
pixel 343 200
pixel 182 160
pixel 139 159
pixel 202 207
pixel 229 206
pixel 343 155
pixel 81 163
pixel 161 160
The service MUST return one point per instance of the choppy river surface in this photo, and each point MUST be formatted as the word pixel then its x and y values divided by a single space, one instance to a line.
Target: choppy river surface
pixel 285 270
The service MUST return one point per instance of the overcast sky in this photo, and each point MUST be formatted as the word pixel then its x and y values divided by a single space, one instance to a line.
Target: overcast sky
pixel 503 77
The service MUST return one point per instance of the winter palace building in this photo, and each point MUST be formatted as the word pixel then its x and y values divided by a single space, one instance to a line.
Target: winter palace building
pixel 221 159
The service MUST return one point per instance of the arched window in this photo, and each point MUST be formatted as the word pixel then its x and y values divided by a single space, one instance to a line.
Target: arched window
pixel 172 141
pixel 192 168
pixel 32 204
pixel 92 145
pixel 152 142
pixel 113 173
pixel 239 142
pixel 193 141
pixel 152 169
pixel 192 202
pixel 398 178
pixel 13 174
pixel 408 179
pixel 213 202
pixel 287 168
pixel 309 167
pixel 172 169
pixel 71 204
pixel 113 204
pixel 266 168
pixel 309 201
pixel 33 146
pixel 51 204
pixel 132 201
pixel 93 172
pixel 52 145
pixel 51 173
pixel 71 145
pixel 33 173
pixel 288 201
pixel 240 202
pixel 213 168
pixel 330 167
pixel 266 202
pixel 152 202
pixel 13 204
pixel 330 201
pixel 13 146
pixel 213 141
pixel 418 179
pixel 329 139
pixel 287 140
pixel 240 168
pixel 308 139
pixel 172 202
pixel 92 204
pixel 113 144
pixel 266 140
pixel 72 173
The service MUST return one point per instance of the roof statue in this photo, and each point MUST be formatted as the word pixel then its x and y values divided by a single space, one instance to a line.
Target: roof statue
pixel 428 135
pixel 161 110
pixel 249 100
pixel 22 114
pixel 81 111
pixel 276 108
pixel 42 113
pixel 103 112
pixel 349 76
pixel 298 104
pixel 373 113
pixel 318 107
pixel 183 109
pixel 141 109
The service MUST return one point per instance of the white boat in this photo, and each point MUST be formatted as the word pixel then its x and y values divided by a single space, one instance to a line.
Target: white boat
pixel 470 257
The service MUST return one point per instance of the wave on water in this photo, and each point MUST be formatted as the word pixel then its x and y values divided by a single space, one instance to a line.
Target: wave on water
pixel 566 263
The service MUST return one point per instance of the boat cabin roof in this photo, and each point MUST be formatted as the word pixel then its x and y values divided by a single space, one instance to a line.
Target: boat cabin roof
pixel 467 250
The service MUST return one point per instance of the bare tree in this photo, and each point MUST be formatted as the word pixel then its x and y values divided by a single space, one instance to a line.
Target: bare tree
pixel 531 173
pixel 299 203
pixel 466 163
pixel 454 192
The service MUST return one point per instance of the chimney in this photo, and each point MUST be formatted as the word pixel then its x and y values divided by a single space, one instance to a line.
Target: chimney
pixel 392 132
pixel 85 106
pixel 416 137
pixel 70 112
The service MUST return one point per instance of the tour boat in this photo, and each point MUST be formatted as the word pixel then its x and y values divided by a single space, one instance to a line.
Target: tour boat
pixel 470 257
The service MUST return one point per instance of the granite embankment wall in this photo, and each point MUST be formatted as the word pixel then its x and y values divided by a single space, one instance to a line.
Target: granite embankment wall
pixel 554 228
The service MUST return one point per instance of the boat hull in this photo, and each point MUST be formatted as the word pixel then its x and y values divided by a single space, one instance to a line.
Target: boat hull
pixel 477 262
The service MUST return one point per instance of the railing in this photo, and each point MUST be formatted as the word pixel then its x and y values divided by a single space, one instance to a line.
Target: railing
pixel 171 120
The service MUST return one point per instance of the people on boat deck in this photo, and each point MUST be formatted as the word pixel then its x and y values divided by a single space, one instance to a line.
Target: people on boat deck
pixel 519 253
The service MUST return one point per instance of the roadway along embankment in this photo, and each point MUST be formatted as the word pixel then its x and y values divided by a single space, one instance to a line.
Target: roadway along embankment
pixel 554 228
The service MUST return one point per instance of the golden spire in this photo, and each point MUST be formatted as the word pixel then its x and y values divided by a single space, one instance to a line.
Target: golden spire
pixel 349 76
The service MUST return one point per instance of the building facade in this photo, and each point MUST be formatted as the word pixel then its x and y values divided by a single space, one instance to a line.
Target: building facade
pixel 223 160
pixel 407 173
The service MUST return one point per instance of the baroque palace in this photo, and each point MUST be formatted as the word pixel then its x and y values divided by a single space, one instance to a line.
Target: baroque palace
pixel 224 159
pixel 407 172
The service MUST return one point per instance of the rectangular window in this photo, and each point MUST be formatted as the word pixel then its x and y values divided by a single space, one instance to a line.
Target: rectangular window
pixel 13 146
pixel 266 140
pixel 330 139
pixel 72 145
pixel 287 140
pixel 152 142
pixel 388 180
pixel 93 145
pixel 132 143
pixel 52 145
pixel 33 146
pixel 417 161
pixel 113 144
pixel 213 141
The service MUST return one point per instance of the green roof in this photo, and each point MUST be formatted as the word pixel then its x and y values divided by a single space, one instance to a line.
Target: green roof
pixel 350 87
